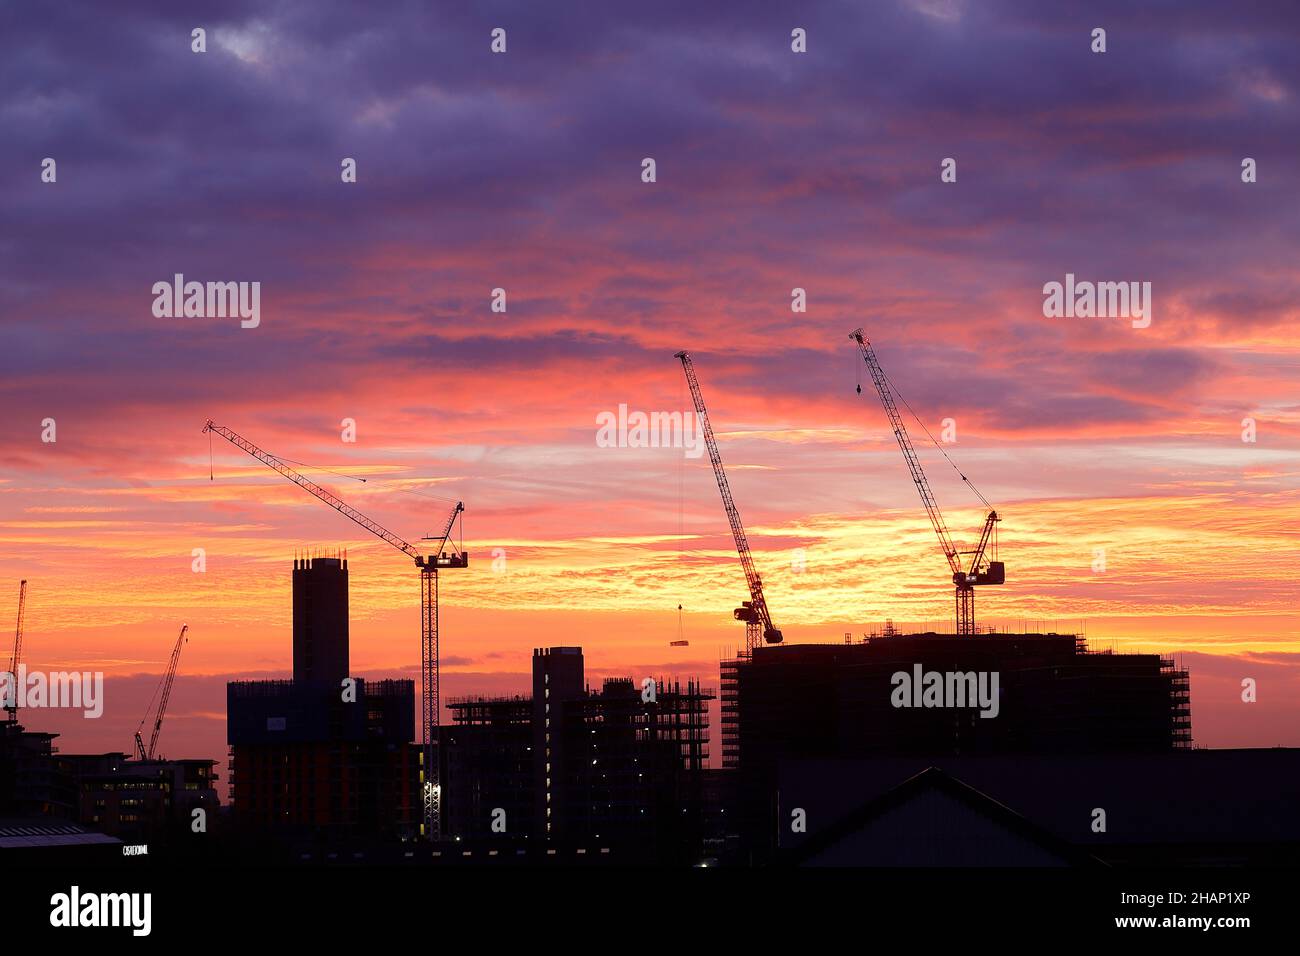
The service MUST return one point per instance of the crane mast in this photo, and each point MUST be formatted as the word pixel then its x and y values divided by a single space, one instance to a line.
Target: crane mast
pixel 977 571
pixel 428 566
pixel 754 612
pixel 16 659
pixel 169 676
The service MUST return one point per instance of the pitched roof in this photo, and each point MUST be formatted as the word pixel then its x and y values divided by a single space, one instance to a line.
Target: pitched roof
pixel 907 825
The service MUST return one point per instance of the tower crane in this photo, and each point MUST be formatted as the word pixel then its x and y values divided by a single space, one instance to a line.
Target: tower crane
pixel 981 568
pixel 754 612
pixel 12 706
pixel 429 565
pixel 165 687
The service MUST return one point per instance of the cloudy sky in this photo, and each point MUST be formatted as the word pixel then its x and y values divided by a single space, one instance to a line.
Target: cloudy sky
pixel 523 171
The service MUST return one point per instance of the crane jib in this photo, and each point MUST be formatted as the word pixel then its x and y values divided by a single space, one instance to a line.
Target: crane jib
pixel 755 610
pixel 337 503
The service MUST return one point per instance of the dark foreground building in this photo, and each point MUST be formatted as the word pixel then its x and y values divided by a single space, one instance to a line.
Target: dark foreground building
pixel 310 757
pixel 33 780
pixel 137 801
pixel 571 767
pixel 938 695
pixel 144 801
pixel 1178 808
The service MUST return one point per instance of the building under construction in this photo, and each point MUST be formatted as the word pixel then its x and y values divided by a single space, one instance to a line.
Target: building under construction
pixel 892 695
pixel 569 766
pixel 307 757
pixel 1053 695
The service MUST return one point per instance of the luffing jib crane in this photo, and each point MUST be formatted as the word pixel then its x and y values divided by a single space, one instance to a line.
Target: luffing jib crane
pixel 981 568
pixel 163 693
pixel 429 566
pixel 12 706
pixel 758 621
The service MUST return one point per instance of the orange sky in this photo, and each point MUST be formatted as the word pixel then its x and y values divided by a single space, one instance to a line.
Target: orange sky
pixel 818 172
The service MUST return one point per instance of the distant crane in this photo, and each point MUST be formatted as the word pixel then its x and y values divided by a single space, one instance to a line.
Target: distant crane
pixel 429 566
pixel 165 686
pixel 754 612
pixel 981 569
pixel 12 706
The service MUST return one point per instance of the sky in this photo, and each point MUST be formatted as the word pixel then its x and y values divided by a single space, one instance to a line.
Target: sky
pixel 1132 507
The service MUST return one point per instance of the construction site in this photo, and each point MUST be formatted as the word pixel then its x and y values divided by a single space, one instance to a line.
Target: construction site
pixel 618 767
pixel 802 721
pixel 976 718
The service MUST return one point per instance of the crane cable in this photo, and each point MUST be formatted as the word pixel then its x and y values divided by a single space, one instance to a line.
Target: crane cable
pixel 317 468
pixel 311 467
pixel 899 396
pixel 149 708
pixel 406 491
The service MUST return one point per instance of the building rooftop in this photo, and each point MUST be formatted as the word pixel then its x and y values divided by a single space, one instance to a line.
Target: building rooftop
pixel 34 832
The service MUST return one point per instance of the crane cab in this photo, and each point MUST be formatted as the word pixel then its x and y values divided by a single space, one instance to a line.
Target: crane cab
pixel 996 573
pixel 747 614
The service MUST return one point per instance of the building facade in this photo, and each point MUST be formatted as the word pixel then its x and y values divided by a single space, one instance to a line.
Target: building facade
pixel 323 756
pixel 623 765
pixel 940 695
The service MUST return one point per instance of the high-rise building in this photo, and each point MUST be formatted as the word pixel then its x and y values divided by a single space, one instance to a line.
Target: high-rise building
pixel 320 620
pixel 558 684
pixel 321 755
